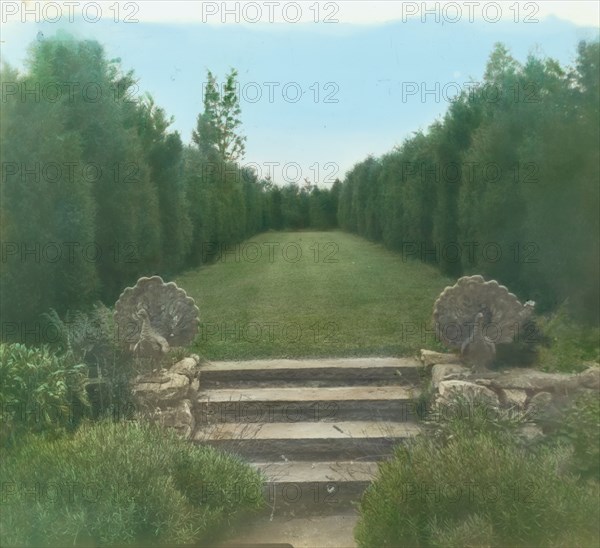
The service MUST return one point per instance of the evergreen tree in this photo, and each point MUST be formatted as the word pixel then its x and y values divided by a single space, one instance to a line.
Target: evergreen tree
pixel 164 157
pixel 505 185
pixel 46 206
pixel 218 126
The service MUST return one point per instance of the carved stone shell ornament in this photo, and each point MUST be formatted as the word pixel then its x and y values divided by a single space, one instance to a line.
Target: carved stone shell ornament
pixel 474 315
pixel 154 316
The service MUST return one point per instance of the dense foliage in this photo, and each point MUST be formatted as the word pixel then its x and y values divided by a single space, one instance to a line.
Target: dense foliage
pixel 40 392
pixel 90 337
pixel 475 480
pixel 505 185
pixel 97 191
pixel 122 484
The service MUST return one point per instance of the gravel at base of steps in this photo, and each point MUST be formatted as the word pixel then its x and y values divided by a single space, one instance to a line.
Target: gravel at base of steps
pixel 313 532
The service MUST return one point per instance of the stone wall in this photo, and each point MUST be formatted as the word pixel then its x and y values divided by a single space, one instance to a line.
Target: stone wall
pixel 167 397
pixel 534 393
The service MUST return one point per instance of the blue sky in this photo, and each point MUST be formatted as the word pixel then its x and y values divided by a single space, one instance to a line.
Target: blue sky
pixel 343 82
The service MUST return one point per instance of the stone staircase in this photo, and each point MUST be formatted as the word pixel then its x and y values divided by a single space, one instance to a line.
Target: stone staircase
pixel 315 428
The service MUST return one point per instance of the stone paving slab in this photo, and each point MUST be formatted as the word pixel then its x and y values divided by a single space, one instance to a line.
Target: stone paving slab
pixel 307 430
pixel 321 363
pixel 300 394
pixel 335 471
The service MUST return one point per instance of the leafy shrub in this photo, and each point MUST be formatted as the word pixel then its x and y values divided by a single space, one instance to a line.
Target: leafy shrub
pixel 90 337
pixel 473 482
pixel 40 391
pixel 121 483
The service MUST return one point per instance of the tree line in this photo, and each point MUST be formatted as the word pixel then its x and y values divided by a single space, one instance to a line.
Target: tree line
pixel 97 191
pixel 506 184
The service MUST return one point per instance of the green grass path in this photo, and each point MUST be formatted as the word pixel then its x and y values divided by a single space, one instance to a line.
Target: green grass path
pixel 312 294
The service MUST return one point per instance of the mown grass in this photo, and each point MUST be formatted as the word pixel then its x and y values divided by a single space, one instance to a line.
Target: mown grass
pixel 313 294
pixel 323 294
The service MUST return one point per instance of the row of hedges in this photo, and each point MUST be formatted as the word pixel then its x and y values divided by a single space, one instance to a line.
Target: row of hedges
pixel 97 190
pixel 504 185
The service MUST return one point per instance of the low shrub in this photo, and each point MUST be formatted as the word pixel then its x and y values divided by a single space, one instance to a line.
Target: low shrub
pixel 121 483
pixel 472 481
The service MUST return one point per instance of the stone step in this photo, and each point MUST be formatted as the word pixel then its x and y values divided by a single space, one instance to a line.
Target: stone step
pixel 315 428
pixel 308 441
pixel 313 373
pixel 315 488
pixel 322 471
pixel 333 403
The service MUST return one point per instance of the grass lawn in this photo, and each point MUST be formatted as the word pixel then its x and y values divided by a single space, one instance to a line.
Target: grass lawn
pixel 313 294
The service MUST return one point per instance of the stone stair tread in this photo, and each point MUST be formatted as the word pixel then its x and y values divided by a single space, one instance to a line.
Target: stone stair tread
pixel 304 471
pixel 306 430
pixel 321 363
pixel 298 394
